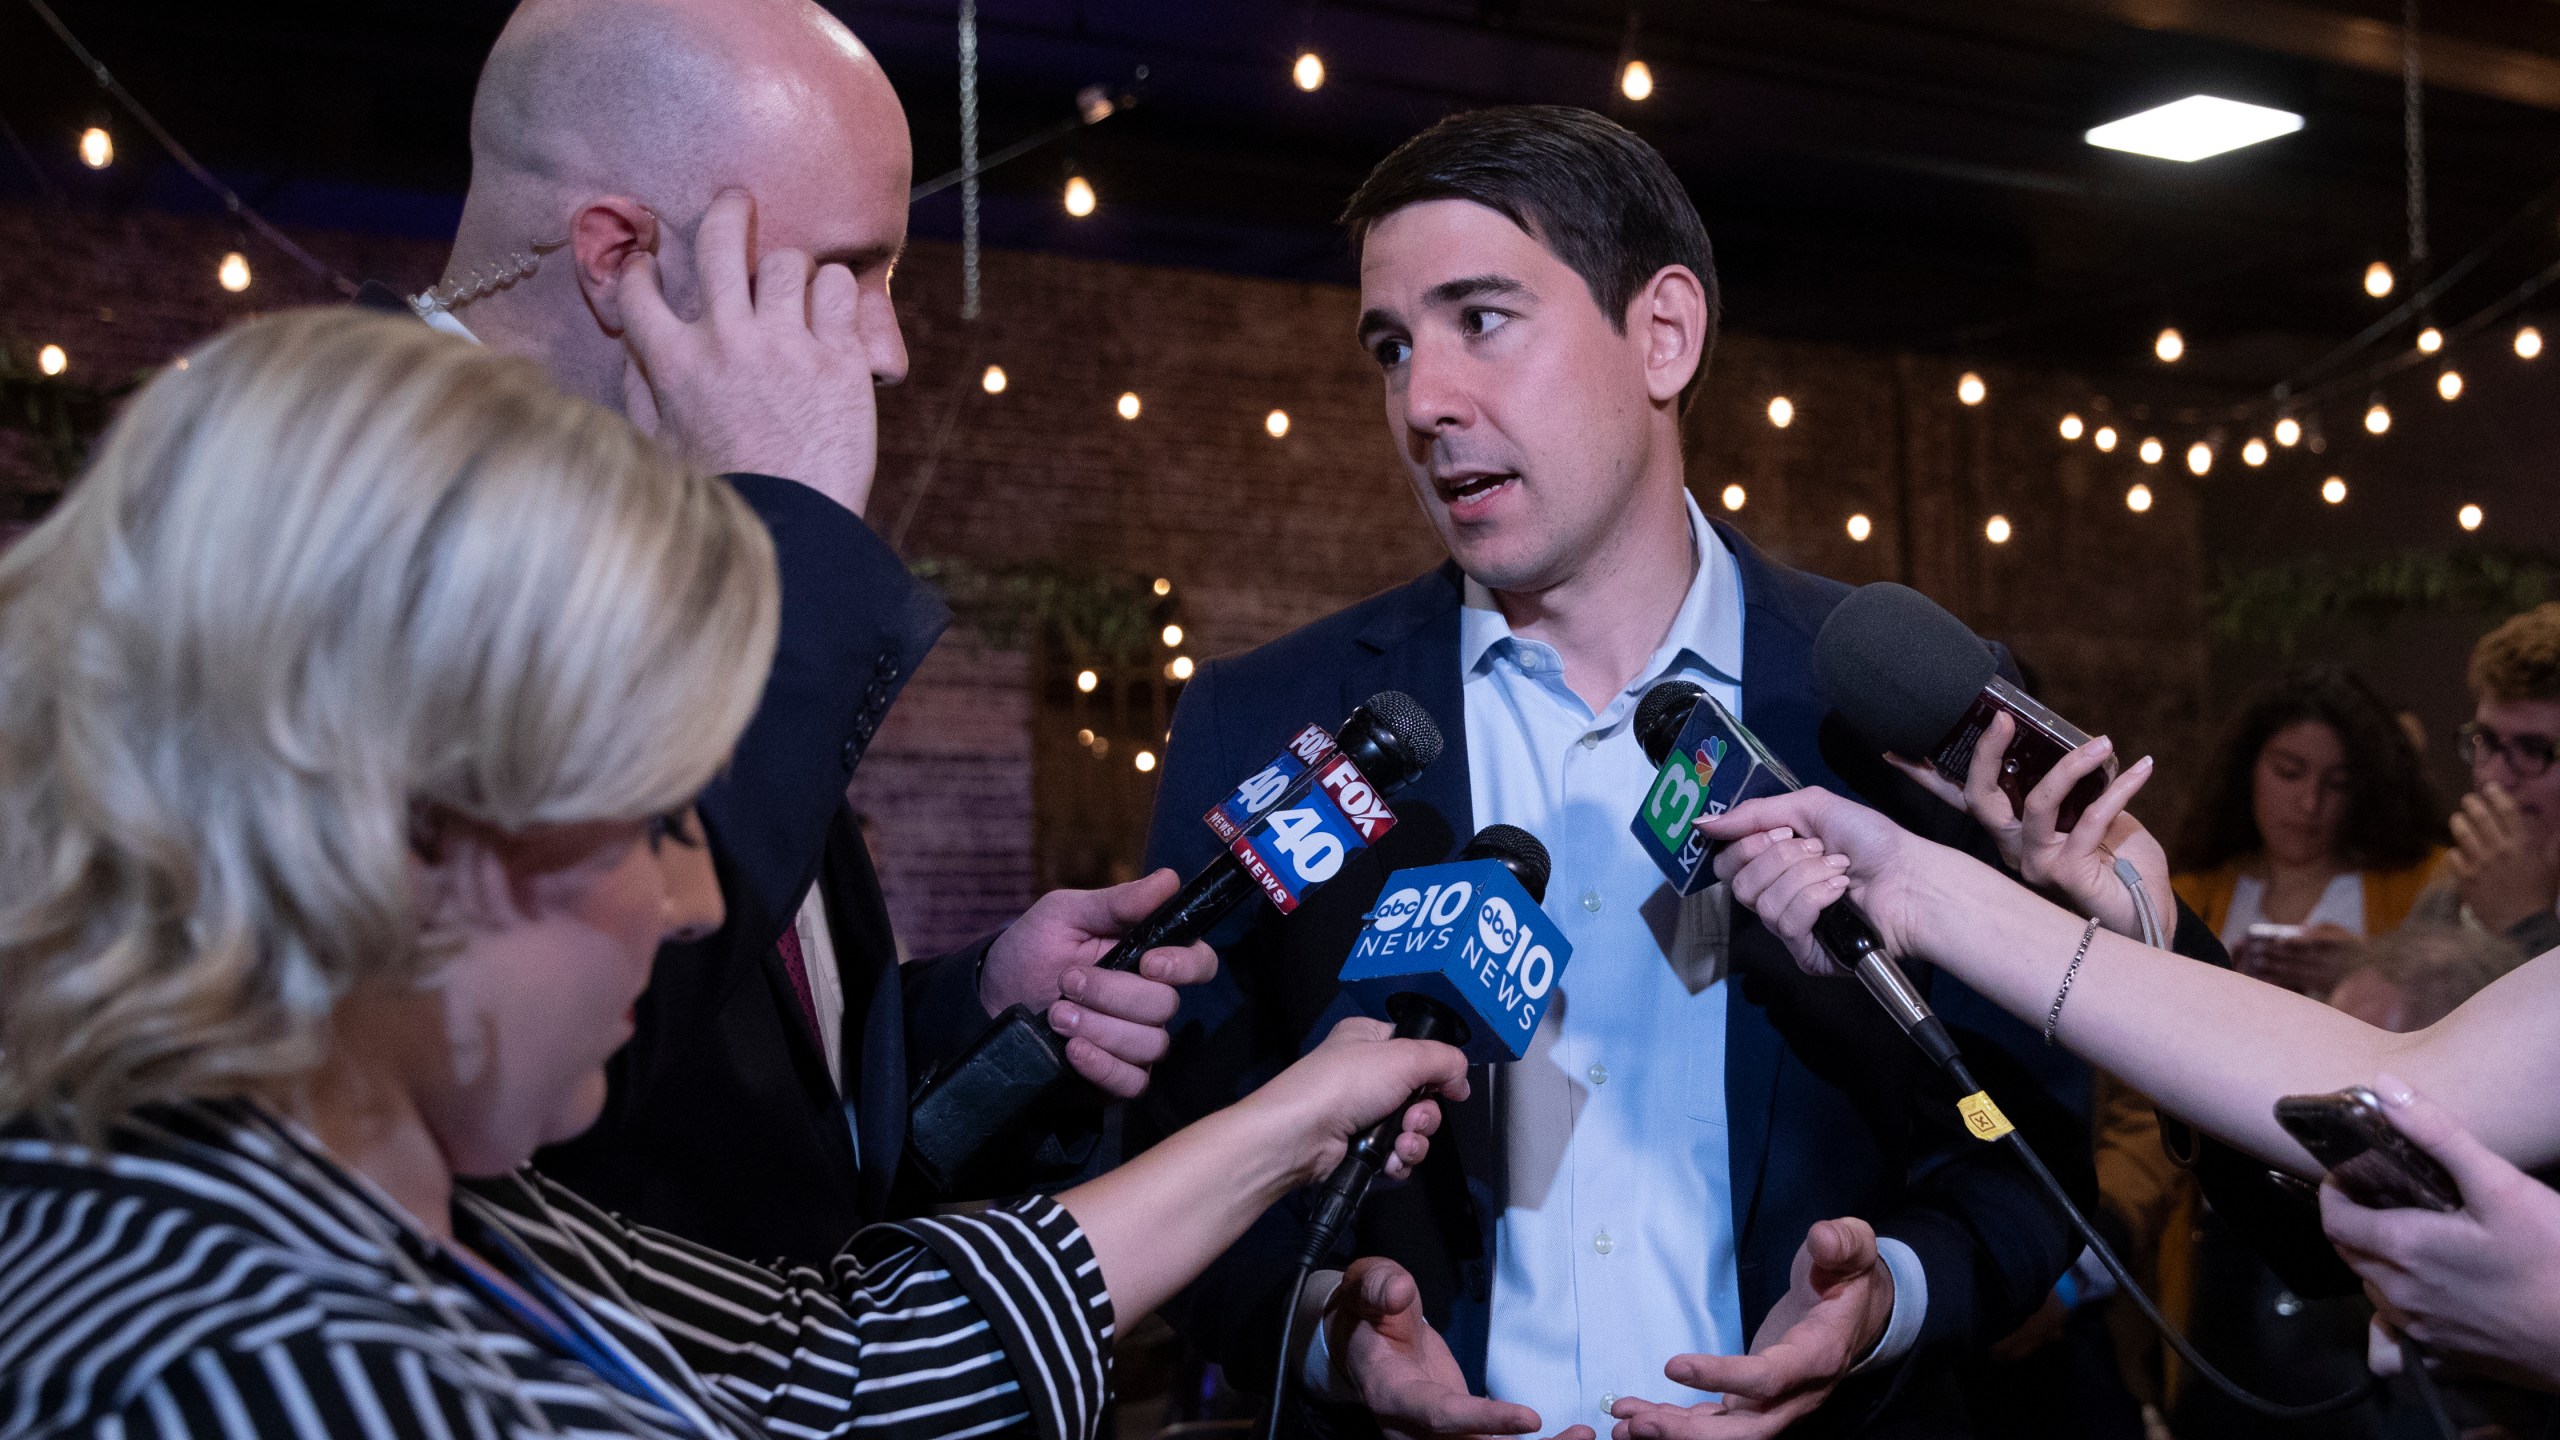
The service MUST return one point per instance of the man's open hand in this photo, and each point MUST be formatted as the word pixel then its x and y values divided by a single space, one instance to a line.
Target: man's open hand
pixel 1402 1369
pixel 1835 1312
pixel 1114 1021
pixel 772 378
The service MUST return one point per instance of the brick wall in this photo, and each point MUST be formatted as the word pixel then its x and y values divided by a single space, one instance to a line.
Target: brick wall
pixel 1259 534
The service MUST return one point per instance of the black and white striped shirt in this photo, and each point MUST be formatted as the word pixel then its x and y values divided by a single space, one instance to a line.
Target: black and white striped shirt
pixel 215 1274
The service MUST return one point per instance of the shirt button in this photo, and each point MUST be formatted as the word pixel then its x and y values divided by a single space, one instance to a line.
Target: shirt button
pixel 1599 1074
pixel 1591 901
pixel 1602 1243
pixel 1591 741
pixel 1608 1402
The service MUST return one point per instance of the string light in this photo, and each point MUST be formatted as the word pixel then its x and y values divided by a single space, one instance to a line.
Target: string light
pixel 1163 586
pixel 1733 497
pixel 233 273
pixel 2378 279
pixel 2377 419
pixel 2288 432
pixel 52 361
pixel 97 148
pixel 2169 346
pixel 1085 738
pixel 1996 530
pixel 2072 429
pixel 2138 499
pixel 1128 406
pixel 1276 424
pixel 2528 342
pixel 1636 81
pixel 2200 457
pixel 1145 761
pixel 1969 388
pixel 2254 454
pixel 2152 450
pixel 2469 517
pixel 1308 73
pixel 2449 384
pixel 1101 746
pixel 1179 668
pixel 1782 412
pixel 2334 490
pixel 2105 439
pixel 1086 680
pixel 1079 196
pixel 1860 527
pixel 1172 636
pixel 993 382
pixel 2430 340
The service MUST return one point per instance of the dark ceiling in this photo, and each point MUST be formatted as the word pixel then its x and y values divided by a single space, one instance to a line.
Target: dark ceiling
pixel 1905 172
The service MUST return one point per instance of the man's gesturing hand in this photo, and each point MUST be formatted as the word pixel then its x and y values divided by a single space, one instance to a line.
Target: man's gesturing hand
pixel 772 378
pixel 1835 1312
pixel 1114 1022
pixel 1402 1369
pixel 2505 871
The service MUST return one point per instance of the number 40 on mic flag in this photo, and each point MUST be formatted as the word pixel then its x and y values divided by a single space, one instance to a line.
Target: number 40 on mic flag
pixel 1292 830
pixel 1716 765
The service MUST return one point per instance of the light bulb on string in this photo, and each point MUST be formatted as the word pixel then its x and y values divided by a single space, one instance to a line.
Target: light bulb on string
pixel 2449 384
pixel 2105 439
pixel 2254 453
pixel 1163 586
pixel 2138 499
pixel 1178 668
pixel 2430 340
pixel 993 382
pixel 1276 424
pixel 1733 497
pixel 1782 411
pixel 2378 280
pixel 2528 342
pixel 2200 458
pixel 233 273
pixel 2288 432
pixel 1969 389
pixel 1860 527
pixel 1086 680
pixel 2469 517
pixel 2152 450
pixel 97 147
pixel 1128 405
pixel 1308 73
pixel 1172 637
pixel 2169 346
pixel 1079 196
pixel 2072 427
pixel 1145 760
pixel 1636 81
pixel 2334 490
pixel 2377 417
pixel 1996 530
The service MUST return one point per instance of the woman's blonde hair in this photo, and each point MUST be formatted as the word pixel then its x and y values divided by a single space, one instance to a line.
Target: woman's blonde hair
pixel 329 572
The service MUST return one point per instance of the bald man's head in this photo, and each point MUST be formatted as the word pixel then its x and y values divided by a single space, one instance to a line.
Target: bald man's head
pixel 610 124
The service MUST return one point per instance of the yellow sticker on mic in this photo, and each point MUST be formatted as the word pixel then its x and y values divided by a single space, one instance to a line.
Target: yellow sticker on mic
pixel 1983 1118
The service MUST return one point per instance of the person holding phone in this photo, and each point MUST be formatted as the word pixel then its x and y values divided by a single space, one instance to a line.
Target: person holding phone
pixel 2219 1050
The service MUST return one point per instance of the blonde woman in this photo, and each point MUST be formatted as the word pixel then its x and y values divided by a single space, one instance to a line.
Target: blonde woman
pixel 350 712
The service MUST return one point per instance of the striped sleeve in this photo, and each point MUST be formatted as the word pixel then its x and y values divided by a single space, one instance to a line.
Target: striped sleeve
pixel 927 1330
pixel 306 1387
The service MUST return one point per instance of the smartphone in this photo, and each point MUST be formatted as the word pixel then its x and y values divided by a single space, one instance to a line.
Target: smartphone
pixel 2376 1165
pixel 2041 740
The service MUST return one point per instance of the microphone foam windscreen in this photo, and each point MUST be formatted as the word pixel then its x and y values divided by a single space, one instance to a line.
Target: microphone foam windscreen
pixel 1519 852
pixel 1661 715
pixel 1898 667
pixel 1403 717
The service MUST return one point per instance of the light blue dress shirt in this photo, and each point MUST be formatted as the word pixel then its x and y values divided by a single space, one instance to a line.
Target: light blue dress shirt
pixel 1616 1249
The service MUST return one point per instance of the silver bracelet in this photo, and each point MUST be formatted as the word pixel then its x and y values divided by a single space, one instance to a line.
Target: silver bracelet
pixel 2053 1017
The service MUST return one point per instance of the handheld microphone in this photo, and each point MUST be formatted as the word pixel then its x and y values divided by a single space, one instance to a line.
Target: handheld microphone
pixel 1288 830
pixel 1711 763
pixel 1912 678
pixel 1460 953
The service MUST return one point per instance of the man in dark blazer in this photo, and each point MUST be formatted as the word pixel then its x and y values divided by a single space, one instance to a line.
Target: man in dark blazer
pixel 761 1105
pixel 1538 293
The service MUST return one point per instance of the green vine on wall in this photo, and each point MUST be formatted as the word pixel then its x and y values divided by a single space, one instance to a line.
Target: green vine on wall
pixel 2274 604
pixel 1106 619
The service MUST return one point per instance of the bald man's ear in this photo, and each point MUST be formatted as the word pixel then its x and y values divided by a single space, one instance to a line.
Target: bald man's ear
pixel 1668 317
pixel 603 236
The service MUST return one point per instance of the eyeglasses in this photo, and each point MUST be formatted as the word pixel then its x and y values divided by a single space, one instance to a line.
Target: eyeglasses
pixel 2528 755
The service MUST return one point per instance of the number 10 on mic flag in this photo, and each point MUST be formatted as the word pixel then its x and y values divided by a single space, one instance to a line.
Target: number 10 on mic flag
pixel 1715 765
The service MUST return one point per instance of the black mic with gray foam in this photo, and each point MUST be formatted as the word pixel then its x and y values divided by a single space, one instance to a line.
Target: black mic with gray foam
pixel 1915 680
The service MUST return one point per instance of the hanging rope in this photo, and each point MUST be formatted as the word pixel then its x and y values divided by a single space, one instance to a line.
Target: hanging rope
pixel 968 159
pixel 229 197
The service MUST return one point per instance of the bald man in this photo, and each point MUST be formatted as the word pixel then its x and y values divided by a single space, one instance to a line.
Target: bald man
pixel 689 210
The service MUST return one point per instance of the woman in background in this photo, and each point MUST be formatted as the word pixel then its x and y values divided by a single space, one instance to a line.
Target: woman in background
pixel 351 711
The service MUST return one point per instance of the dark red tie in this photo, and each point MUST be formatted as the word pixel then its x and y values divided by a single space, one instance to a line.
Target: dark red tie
pixel 798 969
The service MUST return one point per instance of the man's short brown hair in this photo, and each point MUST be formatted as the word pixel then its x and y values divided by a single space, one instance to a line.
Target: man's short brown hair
pixel 2520 660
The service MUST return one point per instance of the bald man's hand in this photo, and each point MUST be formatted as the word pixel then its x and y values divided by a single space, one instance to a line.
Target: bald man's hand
pixel 772 379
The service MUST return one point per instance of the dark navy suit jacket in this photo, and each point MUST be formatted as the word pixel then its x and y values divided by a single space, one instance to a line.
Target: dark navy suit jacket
pixel 1831 1110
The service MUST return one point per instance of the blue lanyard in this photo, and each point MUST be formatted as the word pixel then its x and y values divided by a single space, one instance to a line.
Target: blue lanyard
pixel 551 1315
